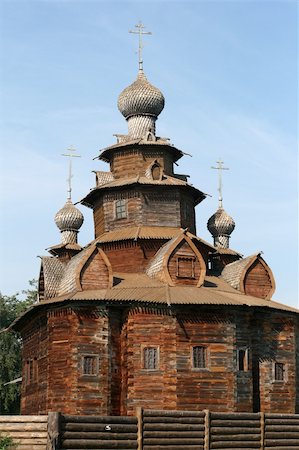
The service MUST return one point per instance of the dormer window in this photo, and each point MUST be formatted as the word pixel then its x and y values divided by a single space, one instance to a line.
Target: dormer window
pixel 185 267
pixel 120 209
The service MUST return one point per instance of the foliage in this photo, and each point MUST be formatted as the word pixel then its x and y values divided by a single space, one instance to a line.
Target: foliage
pixel 10 347
pixel 7 443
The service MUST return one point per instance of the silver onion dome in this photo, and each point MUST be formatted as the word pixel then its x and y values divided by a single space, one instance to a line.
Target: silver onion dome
pixel 221 225
pixel 69 218
pixel 141 98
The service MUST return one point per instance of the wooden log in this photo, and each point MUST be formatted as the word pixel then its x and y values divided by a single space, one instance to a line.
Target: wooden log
pixel 174 447
pixel 140 428
pixel 235 423
pixel 100 444
pixel 234 444
pixel 235 437
pixel 97 435
pixel 280 416
pixel 31 447
pixel 67 418
pixel 282 448
pixel 233 430
pixel 21 419
pixel 282 442
pixel 262 430
pixel 32 441
pixel 291 421
pixel 187 420
pixel 53 431
pixel 28 434
pixel 282 434
pixel 172 427
pixel 237 416
pixel 282 428
pixel 99 427
pixel 157 413
pixel 207 432
pixel 173 441
pixel 178 434
pixel 37 426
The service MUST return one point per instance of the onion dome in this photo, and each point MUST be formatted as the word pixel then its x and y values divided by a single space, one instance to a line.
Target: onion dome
pixel 221 225
pixel 140 104
pixel 69 220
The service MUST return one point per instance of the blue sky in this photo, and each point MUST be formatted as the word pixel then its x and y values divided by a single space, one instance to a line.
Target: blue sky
pixel 228 71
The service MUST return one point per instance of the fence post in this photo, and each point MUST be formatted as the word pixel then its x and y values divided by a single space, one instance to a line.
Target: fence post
pixel 207 430
pixel 139 414
pixel 262 419
pixel 53 431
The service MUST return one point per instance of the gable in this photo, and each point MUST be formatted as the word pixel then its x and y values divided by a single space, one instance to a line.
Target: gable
pixel 257 281
pixel 178 262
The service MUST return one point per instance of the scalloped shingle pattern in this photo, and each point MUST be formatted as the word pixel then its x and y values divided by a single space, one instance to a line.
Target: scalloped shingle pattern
pixel 232 273
pixel 221 223
pixel 141 97
pixel 69 218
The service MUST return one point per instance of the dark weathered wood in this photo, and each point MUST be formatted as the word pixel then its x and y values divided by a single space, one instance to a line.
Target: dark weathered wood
pixel 53 440
pixel 175 414
pixel 234 444
pixel 174 427
pixel 98 444
pixel 66 418
pixel 95 427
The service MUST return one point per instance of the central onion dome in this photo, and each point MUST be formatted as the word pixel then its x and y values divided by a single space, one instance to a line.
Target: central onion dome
pixel 69 220
pixel 221 225
pixel 140 104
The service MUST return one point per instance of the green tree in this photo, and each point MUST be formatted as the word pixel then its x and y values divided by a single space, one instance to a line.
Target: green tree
pixel 10 347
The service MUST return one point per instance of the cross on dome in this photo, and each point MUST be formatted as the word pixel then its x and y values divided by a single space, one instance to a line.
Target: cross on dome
pixel 220 167
pixel 70 155
pixel 140 27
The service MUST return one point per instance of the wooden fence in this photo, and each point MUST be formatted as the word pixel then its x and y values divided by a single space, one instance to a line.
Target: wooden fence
pixel 28 432
pixel 155 430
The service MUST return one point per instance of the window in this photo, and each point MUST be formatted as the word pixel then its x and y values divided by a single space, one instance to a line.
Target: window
pixel 120 209
pixel 185 267
pixel 279 371
pixel 90 365
pixel 31 371
pixel 243 362
pixel 150 358
pixel 199 357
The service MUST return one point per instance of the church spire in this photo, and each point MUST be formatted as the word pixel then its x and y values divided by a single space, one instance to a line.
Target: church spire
pixel 220 224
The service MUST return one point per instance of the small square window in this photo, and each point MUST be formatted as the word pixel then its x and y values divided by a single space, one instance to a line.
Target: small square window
pixel 243 362
pixel 185 267
pixel 89 365
pixel 199 357
pixel 120 209
pixel 279 371
pixel 150 358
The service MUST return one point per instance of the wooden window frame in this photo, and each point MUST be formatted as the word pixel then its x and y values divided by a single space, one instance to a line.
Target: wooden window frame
pixel 31 371
pixel 96 366
pixel 185 258
pixel 206 357
pixel 121 209
pixel 284 368
pixel 143 357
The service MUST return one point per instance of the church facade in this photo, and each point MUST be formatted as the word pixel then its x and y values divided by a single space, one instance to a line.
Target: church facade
pixel 149 314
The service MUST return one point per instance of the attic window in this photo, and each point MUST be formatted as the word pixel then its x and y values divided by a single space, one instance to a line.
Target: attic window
pixel 120 209
pixel 185 267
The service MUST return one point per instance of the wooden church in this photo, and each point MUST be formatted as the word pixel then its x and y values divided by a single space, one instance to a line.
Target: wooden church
pixel 149 314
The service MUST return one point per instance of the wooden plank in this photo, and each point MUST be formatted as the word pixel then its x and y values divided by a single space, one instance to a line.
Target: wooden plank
pixel 99 444
pixel 36 426
pixel 53 430
pixel 22 419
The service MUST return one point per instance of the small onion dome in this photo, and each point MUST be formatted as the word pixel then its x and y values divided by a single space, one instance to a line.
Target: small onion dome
pixel 69 217
pixel 141 98
pixel 221 223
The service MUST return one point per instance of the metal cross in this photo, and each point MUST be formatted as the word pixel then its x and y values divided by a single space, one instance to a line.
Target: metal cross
pixel 140 32
pixel 220 168
pixel 70 155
